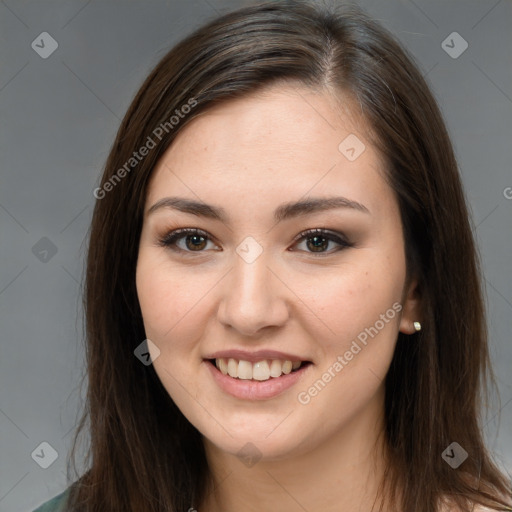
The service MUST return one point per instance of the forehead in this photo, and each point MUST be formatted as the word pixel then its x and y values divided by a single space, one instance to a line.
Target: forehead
pixel 282 141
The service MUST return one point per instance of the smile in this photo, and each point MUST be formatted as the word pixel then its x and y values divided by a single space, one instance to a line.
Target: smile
pixel 256 381
pixel 261 370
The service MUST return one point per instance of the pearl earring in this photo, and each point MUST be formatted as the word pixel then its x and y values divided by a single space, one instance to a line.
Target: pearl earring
pixel 417 326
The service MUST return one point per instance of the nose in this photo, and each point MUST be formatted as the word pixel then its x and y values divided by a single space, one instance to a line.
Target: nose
pixel 253 297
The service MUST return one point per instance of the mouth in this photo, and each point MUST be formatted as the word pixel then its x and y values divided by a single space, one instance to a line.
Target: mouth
pixel 260 371
pixel 261 380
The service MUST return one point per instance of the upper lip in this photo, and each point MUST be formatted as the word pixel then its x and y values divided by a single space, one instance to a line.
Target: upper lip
pixel 254 357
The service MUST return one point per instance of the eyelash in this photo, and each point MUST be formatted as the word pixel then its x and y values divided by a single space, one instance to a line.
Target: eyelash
pixel 170 239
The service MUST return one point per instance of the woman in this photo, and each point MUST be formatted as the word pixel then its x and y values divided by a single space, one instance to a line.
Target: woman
pixel 282 292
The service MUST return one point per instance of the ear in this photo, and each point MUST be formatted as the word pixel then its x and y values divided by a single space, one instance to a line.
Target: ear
pixel 411 308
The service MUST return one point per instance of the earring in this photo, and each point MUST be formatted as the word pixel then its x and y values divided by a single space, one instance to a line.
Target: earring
pixel 417 326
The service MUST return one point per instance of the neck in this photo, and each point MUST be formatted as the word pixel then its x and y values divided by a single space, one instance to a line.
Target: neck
pixel 342 473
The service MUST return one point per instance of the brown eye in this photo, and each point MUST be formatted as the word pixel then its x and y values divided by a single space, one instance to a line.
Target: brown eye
pixel 318 240
pixel 317 243
pixel 195 240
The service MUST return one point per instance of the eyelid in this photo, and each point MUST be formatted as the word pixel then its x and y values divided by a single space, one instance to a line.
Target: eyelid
pixel 331 236
pixel 169 240
pixel 323 232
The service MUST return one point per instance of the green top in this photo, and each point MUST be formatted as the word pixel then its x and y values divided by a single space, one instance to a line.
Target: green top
pixel 56 504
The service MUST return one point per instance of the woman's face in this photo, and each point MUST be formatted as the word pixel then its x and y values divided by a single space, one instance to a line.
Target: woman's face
pixel 253 293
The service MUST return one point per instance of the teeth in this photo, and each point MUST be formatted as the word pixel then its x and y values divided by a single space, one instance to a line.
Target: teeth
pixel 287 367
pixel 262 370
pixel 232 368
pixel 245 370
pixel 275 368
pixel 222 365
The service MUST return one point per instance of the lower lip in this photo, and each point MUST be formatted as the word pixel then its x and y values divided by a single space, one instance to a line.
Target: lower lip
pixel 253 389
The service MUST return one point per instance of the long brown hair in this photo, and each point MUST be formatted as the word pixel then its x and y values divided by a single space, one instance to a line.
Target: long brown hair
pixel 144 454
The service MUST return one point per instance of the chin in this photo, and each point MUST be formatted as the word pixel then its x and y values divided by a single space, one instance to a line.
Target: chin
pixel 251 449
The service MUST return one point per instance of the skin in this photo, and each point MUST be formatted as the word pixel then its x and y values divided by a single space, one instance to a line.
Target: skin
pixel 249 156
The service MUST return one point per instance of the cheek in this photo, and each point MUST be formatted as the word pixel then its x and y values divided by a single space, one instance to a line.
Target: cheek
pixel 165 296
pixel 169 305
pixel 357 298
pixel 362 311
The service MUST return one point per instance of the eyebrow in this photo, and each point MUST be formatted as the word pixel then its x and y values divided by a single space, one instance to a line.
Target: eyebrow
pixel 283 212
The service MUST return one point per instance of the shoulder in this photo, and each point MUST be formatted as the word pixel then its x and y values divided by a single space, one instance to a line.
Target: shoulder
pixel 56 504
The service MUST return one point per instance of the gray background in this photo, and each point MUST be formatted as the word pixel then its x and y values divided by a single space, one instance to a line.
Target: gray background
pixel 59 117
